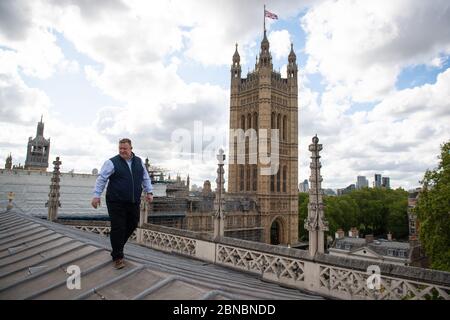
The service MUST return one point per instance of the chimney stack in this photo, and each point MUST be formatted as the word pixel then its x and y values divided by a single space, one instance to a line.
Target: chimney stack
pixel 339 234
pixel 369 238
pixel 353 233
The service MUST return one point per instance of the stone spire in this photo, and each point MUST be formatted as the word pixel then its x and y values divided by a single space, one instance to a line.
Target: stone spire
pixel 265 58
pixel 236 56
pixel 236 66
pixel 292 68
pixel 188 181
pixel 53 202
pixel 40 129
pixel 316 223
pixel 8 163
pixel 292 57
pixel 219 218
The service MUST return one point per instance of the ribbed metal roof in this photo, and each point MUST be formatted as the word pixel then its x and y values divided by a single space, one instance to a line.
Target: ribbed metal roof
pixel 35 255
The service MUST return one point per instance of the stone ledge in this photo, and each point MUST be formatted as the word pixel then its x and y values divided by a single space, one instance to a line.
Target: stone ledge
pixel 179 232
pixel 404 272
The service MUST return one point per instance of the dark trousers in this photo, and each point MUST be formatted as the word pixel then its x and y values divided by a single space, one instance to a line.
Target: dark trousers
pixel 124 220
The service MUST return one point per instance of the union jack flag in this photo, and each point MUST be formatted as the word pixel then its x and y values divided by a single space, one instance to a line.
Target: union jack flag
pixel 270 15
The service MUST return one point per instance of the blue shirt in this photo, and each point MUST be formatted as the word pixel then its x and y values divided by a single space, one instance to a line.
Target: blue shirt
pixel 108 169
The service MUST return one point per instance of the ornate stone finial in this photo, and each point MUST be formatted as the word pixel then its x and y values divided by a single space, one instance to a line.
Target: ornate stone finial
pixel 316 223
pixel 220 171
pixel 11 196
pixel 53 202
pixel 219 218
pixel 292 55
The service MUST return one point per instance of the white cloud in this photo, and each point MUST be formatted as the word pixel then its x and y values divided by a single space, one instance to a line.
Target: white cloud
pixel 399 138
pixel 280 44
pixel 18 102
pixel 138 46
pixel 364 45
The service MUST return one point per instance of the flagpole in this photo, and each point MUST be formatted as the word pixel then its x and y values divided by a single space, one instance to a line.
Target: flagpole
pixel 264 18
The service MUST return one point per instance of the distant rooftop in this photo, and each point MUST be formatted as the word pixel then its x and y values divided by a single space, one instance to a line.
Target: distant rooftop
pixel 380 246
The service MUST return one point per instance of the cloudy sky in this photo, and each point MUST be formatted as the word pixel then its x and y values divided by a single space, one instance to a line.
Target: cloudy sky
pixel 374 80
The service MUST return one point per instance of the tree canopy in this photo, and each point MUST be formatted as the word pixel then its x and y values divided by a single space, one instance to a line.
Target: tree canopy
pixel 372 210
pixel 433 212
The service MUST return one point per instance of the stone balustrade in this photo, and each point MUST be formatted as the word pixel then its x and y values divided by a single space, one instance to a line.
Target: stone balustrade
pixel 326 275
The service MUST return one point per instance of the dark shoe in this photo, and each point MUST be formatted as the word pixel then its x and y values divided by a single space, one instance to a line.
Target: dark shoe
pixel 119 264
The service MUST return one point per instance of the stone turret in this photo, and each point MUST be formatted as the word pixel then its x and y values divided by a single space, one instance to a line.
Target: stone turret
pixel 53 202
pixel 8 163
pixel 38 150
pixel 219 218
pixel 316 223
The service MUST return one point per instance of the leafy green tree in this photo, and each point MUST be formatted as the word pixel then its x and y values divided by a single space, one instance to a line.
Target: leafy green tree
pixel 433 212
pixel 371 210
pixel 397 220
pixel 303 199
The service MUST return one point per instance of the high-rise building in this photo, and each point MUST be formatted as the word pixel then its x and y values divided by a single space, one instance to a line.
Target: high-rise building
pixel 385 183
pixel 38 150
pixel 303 186
pixel 362 182
pixel 377 181
pixel 266 103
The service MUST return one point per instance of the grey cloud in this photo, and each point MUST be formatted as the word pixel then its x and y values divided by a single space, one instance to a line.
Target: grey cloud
pixel 155 140
pixel 92 9
pixel 14 98
pixel 71 150
pixel 10 145
pixel 405 167
pixel 15 19
pixel 426 29
pixel 183 115
pixel 393 147
pixel 425 133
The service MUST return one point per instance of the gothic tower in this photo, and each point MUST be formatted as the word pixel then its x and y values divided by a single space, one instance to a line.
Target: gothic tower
pixel 264 106
pixel 8 163
pixel 38 150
